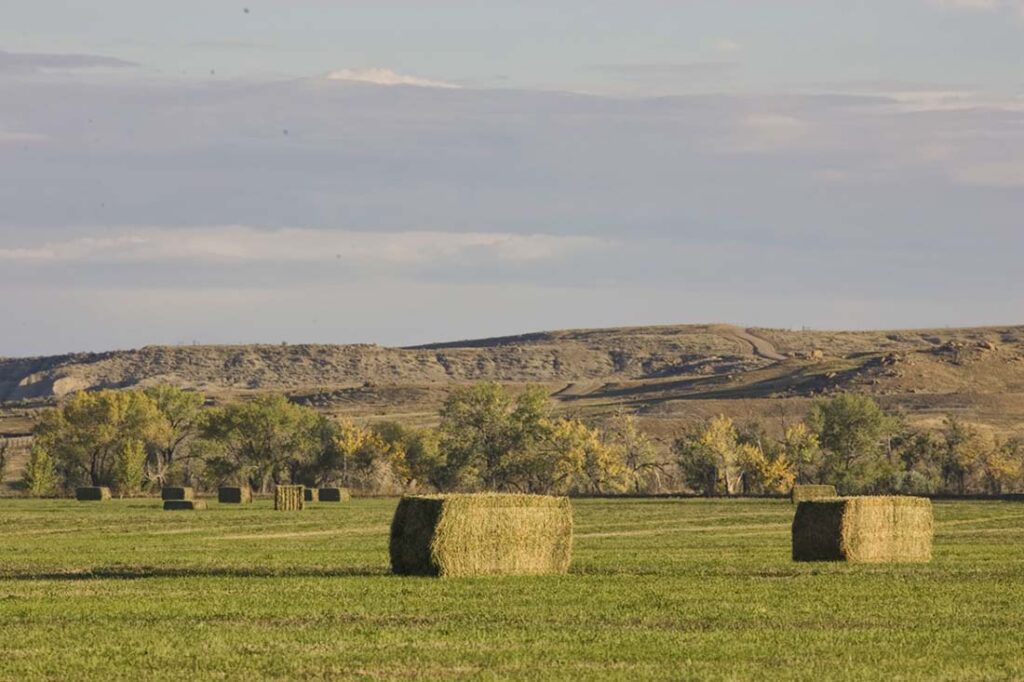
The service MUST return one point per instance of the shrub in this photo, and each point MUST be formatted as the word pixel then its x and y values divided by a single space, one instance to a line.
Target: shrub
pixel 171 493
pixel 92 494
pixel 237 495
pixel 173 505
pixel 288 497
pixel 485 534
pixel 811 492
pixel 863 529
pixel 334 495
pixel 40 475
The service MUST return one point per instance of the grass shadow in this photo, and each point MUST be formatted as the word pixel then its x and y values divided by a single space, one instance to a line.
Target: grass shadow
pixel 145 572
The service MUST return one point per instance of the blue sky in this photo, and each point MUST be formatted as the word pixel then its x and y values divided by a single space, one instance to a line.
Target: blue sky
pixel 396 173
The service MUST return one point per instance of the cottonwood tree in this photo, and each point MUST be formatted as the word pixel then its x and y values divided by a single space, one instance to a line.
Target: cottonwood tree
pixel 854 433
pixel 636 451
pixel 256 440
pixel 714 459
pixel 40 474
pixel 85 435
pixel 182 410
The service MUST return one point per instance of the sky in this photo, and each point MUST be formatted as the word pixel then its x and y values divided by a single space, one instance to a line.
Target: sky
pixel 401 172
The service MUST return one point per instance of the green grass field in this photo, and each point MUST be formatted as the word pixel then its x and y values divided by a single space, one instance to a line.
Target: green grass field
pixel 664 589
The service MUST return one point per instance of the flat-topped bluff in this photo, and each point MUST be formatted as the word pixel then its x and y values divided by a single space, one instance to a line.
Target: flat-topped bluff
pixel 619 354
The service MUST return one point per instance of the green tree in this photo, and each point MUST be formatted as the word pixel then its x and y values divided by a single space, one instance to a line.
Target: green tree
pixel 854 433
pixel 5 448
pixel 638 453
pixel 130 467
pixel 182 412
pixel 40 475
pixel 484 431
pixel 968 450
pixel 87 432
pixel 801 447
pixel 257 440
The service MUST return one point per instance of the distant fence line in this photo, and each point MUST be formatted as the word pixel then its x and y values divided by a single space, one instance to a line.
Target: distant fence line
pixel 17 442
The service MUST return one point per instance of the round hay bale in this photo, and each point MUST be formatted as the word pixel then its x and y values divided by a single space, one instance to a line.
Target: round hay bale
pixel 487 534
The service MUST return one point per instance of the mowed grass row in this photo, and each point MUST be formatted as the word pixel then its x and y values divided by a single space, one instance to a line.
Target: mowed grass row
pixel 659 589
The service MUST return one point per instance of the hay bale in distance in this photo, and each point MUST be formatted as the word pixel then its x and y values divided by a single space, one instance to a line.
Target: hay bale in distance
pixel 334 495
pixel 310 495
pixel 488 534
pixel 863 529
pixel 173 505
pixel 288 497
pixel 812 492
pixel 93 494
pixel 172 493
pixel 234 495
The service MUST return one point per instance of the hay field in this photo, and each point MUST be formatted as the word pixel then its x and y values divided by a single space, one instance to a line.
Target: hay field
pixel 658 589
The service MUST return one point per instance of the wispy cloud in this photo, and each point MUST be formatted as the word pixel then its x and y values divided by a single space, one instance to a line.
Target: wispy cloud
pixel 684 69
pixel 25 62
pixel 1005 175
pixel 243 244
pixel 387 77
pixel 20 137
pixel 982 5
pixel 726 46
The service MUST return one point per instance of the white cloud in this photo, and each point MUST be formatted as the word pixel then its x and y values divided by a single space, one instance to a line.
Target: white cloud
pixel 726 46
pixel 767 132
pixel 17 137
pixel 1004 175
pixel 386 77
pixel 241 244
pixel 982 5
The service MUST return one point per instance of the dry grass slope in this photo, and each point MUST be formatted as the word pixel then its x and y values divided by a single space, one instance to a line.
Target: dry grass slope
pixel 484 534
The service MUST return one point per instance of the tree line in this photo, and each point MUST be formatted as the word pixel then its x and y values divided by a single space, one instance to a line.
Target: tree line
pixel 490 439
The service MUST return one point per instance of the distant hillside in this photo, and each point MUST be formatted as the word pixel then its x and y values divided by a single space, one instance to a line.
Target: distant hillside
pixel 987 359
pixel 661 372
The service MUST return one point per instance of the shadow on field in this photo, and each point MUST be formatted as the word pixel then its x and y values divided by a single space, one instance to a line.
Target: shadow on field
pixel 142 572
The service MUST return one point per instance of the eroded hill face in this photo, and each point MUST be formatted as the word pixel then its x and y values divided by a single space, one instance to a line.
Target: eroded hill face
pixel 664 373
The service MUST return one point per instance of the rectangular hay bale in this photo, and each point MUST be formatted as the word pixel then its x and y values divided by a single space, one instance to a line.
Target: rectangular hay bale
pixel 310 495
pixel 811 492
pixel 334 495
pixel 176 493
pixel 234 495
pixel 863 529
pixel 173 505
pixel 486 534
pixel 289 497
pixel 93 493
